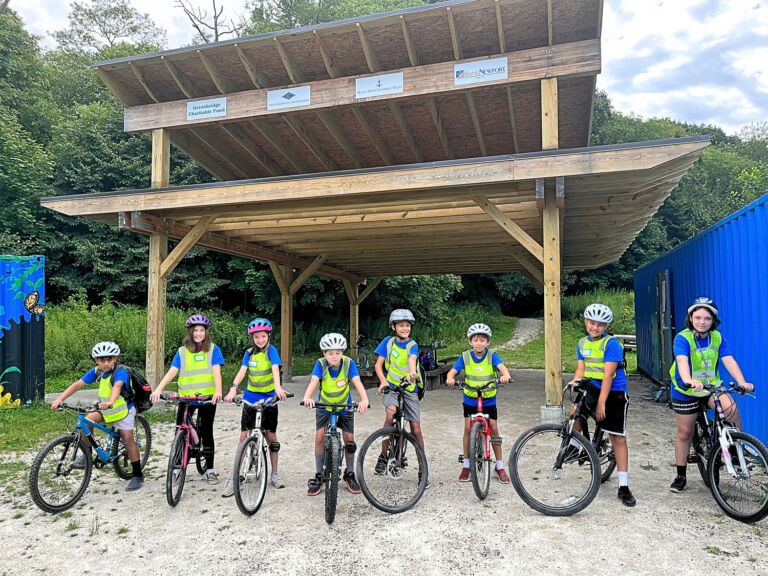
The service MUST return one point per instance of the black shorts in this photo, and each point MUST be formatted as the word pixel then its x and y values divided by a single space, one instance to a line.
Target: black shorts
pixel 690 405
pixel 345 422
pixel 470 411
pixel 268 419
pixel 615 410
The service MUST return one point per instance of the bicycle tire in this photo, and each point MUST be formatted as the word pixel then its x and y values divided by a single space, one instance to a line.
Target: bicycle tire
pixel 755 456
pixel 143 435
pixel 363 359
pixel 699 447
pixel 201 460
pixel 563 501
pixel 479 466
pixel 332 472
pixel 250 472
pixel 42 481
pixel 177 469
pixel 377 487
pixel 607 458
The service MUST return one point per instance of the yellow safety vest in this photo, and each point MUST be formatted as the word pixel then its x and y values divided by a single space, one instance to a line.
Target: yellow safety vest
pixel 704 362
pixel 335 390
pixel 396 363
pixel 119 409
pixel 196 373
pixel 593 353
pixel 260 378
pixel 478 374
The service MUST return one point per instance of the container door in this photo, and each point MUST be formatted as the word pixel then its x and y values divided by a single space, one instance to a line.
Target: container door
pixel 665 326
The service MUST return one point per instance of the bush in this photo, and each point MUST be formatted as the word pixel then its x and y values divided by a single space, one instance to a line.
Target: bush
pixel 621 302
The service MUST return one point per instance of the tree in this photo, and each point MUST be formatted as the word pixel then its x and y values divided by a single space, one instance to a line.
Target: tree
pixel 107 23
pixel 211 28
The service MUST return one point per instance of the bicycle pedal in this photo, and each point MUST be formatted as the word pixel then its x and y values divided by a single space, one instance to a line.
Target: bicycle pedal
pixel 461 458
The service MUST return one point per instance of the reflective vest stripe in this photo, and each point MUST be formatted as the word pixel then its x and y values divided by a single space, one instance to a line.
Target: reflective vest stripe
pixel 397 368
pixel 478 374
pixel 119 409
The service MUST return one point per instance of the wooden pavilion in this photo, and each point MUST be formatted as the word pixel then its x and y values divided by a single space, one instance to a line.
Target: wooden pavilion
pixel 462 126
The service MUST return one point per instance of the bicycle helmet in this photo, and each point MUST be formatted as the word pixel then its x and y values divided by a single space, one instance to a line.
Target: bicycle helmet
pixel 598 313
pixel 333 341
pixel 104 349
pixel 198 320
pixel 704 302
pixel 401 315
pixel 479 328
pixel 259 325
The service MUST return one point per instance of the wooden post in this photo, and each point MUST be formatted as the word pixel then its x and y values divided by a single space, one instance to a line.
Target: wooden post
pixel 549 122
pixel 284 278
pixel 156 281
pixel 351 288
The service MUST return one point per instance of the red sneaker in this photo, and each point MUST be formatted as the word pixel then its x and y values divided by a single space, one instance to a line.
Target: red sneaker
pixel 464 476
pixel 503 476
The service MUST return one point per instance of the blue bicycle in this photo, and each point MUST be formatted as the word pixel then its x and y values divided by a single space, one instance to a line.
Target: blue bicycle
pixel 62 469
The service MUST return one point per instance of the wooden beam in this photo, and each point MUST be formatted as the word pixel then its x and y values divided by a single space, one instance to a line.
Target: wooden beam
pixel 354 315
pixel 286 326
pixel 277 272
pixel 156 299
pixel 549 115
pixel 458 52
pixel 185 141
pixel 228 163
pixel 442 134
pixel 291 68
pixel 258 79
pixel 370 55
pixel 413 56
pixel 534 273
pixel 185 245
pixel 254 150
pixel 139 75
pixel 307 272
pixel 336 131
pixel 564 60
pixel 187 88
pixel 273 137
pixel 368 289
pixel 161 158
pixel 126 98
pixel 550 35
pixel 500 27
pixel 553 368
pixel 512 123
pixel 511 228
pixel 309 141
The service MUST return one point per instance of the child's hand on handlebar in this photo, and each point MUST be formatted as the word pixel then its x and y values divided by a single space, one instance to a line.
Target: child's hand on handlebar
pixel 696 384
pixel 309 402
pixel 747 387
pixel 362 406
pixel 55 404
pixel 381 387
pixel 231 395
pixel 281 395
pixel 450 382
pixel 505 379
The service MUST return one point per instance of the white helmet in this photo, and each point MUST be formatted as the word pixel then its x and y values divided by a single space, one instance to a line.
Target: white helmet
pixel 333 341
pixel 103 349
pixel 479 329
pixel 598 313
pixel 401 315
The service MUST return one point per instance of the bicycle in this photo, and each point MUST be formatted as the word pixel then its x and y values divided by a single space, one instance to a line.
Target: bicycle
pixel 364 358
pixel 251 470
pixel 386 479
pixel 554 468
pixel 62 469
pixel 332 457
pixel 733 464
pixel 480 459
pixel 186 443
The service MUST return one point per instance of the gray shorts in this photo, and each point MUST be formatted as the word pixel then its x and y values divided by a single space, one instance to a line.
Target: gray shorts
pixel 410 404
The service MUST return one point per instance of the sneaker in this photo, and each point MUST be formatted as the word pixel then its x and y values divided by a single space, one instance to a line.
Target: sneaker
pixel 381 465
pixel 427 486
pixel 229 487
pixel 314 485
pixel 352 485
pixel 277 481
pixel 211 476
pixel 503 476
pixel 678 484
pixel 79 462
pixel 626 496
pixel 135 483
pixel 464 476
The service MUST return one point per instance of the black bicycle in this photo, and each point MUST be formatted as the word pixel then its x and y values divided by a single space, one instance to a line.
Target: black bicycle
pixel 365 355
pixel 388 480
pixel 555 469
pixel 733 464
pixel 332 457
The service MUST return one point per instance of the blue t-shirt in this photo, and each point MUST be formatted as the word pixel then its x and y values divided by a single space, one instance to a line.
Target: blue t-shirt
pixel 352 372
pixel 273 357
pixel 218 358
pixel 121 375
pixel 613 353
pixel 381 349
pixel 459 366
pixel 681 347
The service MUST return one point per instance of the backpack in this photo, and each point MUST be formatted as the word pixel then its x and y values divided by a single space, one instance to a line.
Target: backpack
pixel 137 389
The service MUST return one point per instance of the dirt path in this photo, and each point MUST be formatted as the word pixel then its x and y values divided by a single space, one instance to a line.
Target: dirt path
pixel 526 330
pixel 137 533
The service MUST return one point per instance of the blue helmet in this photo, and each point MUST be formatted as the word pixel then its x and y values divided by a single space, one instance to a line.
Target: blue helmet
pixel 259 325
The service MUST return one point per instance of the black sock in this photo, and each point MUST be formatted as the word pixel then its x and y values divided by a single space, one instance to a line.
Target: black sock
pixel 681 470
pixel 137 473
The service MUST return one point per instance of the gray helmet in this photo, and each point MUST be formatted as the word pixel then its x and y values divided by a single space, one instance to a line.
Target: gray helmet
pixel 401 315
pixel 598 313
pixel 333 341
pixel 105 349
pixel 479 328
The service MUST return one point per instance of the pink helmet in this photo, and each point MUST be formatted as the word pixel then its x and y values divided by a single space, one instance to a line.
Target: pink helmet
pixel 198 320
pixel 259 325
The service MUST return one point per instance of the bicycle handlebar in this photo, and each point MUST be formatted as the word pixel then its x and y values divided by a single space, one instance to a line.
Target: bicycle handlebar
pixel 198 399
pixel 238 400
pixel 93 407
pixel 352 406
pixel 490 386
pixel 725 389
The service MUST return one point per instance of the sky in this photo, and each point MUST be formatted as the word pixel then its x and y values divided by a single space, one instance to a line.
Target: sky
pixel 698 61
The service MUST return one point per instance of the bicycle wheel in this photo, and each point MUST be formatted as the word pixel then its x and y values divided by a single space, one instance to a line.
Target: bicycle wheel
pixel 177 468
pixel 363 359
pixel 143 435
pixel 479 465
pixel 552 475
pixel 395 487
pixel 744 494
pixel 606 456
pixel 56 482
pixel 250 474
pixel 698 453
pixel 332 471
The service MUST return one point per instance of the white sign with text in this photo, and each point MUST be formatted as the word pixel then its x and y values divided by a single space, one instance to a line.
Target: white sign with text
pixel 293 97
pixel 481 71
pixel 379 85
pixel 204 109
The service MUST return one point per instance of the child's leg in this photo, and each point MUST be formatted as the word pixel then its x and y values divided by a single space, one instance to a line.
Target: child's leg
pixel 416 431
pixel 207 416
pixel 319 440
pixel 94 417
pixel 496 443
pixel 621 452
pixel 467 430
pixel 274 449
pixel 349 450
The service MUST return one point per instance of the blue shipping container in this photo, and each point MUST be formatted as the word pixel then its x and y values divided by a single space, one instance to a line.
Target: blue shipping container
pixel 729 263
pixel 22 329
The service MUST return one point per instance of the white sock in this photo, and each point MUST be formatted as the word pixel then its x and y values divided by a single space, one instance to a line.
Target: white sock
pixel 499 465
pixel 623 478
pixel 466 463
pixel 574 443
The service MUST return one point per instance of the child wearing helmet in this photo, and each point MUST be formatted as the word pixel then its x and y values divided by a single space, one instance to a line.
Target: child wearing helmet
pixel 600 357
pixel 262 364
pixel 198 363
pixel 115 410
pixel 699 350
pixel 479 364
pixel 332 374
pixel 398 355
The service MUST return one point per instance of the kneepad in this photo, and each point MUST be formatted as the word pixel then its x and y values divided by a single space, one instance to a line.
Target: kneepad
pixel 274 446
pixel 350 447
pixel 496 440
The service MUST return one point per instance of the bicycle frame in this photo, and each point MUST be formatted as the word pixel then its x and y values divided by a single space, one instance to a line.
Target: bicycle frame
pixel 187 424
pixel 480 417
pixel 84 427
pixel 716 431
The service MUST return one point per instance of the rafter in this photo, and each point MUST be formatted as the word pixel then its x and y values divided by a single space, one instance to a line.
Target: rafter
pixel 139 75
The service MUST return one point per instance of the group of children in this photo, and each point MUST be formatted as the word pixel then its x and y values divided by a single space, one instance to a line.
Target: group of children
pixel 198 361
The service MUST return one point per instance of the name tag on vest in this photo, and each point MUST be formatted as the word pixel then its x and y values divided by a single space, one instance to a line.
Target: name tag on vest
pixel 586 352
pixel 395 353
pixel 478 368
pixel 341 383
pixel 199 357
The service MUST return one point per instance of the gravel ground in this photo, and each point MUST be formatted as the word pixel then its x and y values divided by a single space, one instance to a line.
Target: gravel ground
pixel 448 532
